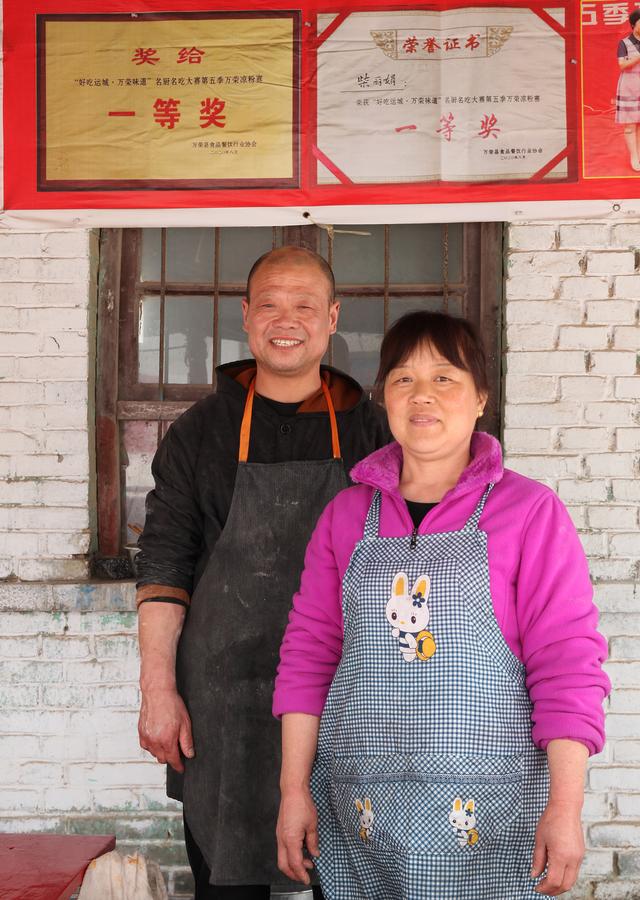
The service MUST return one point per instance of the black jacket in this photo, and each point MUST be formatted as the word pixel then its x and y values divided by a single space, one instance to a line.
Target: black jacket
pixel 195 467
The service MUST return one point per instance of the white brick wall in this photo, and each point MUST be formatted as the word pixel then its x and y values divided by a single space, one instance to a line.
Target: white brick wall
pixel 572 418
pixel 69 753
pixel 47 285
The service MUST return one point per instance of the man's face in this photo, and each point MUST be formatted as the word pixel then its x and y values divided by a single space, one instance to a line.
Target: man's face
pixel 289 318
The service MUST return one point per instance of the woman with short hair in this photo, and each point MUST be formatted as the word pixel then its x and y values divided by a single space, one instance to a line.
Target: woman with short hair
pixel 441 664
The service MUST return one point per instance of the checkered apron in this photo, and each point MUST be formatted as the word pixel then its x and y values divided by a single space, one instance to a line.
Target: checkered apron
pixel 427 782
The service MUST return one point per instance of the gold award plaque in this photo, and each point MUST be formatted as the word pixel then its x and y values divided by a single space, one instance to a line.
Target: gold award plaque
pixel 168 101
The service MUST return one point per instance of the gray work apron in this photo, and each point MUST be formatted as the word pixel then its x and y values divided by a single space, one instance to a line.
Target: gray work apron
pixel 228 654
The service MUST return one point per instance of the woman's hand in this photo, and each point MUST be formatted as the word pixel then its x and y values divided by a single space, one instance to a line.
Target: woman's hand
pixel 559 843
pixel 297 827
pixel 559 846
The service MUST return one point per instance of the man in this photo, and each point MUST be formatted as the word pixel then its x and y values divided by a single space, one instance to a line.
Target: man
pixel 240 480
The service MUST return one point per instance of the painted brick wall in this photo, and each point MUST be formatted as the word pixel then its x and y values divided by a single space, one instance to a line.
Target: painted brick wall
pixel 69 753
pixel 47 307
pixel 572 418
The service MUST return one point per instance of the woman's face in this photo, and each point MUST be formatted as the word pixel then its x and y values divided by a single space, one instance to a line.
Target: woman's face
pixel 432 405
pixel 636 29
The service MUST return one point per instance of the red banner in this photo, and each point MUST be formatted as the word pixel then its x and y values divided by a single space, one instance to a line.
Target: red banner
pixel 115 104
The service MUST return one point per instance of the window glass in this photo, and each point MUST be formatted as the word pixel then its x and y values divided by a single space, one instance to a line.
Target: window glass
pixel 188 330
pixel 416 254
pixel 239 249
pixel 355 346
pixel 357 258
pixel 148 339
pixel 190 254
pixel 233 340
pixel 151 255
pixel 398 306
pixel 139 439
pixel 188 340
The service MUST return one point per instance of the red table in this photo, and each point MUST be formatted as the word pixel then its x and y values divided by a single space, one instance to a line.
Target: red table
pixel 47 866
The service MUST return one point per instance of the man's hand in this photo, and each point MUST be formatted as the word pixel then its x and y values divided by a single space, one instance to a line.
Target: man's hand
pixel 559 846
pixel 297 827
pixel 164 727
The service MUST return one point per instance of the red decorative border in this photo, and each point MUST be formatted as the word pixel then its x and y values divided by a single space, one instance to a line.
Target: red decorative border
pixel 20 173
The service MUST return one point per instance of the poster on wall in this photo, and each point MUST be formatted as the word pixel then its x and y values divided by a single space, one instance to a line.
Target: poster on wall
pixel 393 109
pixel 182 100
pixel 455 95
pixel 611 89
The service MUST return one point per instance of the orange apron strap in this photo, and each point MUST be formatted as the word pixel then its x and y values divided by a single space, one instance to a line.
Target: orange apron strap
pixel 245 428
pixel 335 437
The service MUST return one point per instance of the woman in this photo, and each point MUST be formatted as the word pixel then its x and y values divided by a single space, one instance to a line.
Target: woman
pixel 445 633
pixel 628 94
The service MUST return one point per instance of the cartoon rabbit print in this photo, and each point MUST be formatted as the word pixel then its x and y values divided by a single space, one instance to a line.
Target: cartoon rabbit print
pixel 463 819
pixel 366 818
pixel 408 614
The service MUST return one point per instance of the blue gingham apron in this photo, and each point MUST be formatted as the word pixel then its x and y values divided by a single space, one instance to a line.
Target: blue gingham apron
pixel 426 779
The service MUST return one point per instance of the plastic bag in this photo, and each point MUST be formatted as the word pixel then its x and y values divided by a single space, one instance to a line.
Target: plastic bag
pixel 116 877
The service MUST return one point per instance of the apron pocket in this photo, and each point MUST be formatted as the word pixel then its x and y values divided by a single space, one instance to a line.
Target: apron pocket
pixel 427 804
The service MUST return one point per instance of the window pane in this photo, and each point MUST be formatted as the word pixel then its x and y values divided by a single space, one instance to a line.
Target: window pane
pixel 188 330
pixel 149 340
pixel 151 254
pixel 416 253
pixel 188 335
pixel 190 254
pixel 239 249
pixel 140 440
pixel 398 306
pixel 356 345
pixel 233 340
pixel 357 259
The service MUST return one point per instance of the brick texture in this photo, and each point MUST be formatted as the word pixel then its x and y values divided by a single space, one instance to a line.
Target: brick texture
pixel 68 730
pixel 590 454
pixel 48 283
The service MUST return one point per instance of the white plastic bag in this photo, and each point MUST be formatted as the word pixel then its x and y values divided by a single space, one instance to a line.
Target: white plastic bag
pixel 116 877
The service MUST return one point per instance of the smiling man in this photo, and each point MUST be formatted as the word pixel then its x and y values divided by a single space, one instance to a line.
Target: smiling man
pixel 240 480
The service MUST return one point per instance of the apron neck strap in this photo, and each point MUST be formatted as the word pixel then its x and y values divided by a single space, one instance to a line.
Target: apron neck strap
pixel 335 437
pixel 474 518
pixel 245 428
pixel 372 522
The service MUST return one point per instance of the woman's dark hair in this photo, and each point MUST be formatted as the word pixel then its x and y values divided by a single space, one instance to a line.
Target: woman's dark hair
pixel 455 339
pixel 633 17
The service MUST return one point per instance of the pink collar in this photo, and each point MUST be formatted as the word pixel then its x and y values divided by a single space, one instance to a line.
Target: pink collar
pixel 381 469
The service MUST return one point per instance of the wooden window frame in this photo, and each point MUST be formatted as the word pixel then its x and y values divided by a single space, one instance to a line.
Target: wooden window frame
pixel 120 397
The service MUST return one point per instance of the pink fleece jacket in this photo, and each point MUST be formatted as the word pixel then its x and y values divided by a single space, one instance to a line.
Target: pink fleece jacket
pixel 540 587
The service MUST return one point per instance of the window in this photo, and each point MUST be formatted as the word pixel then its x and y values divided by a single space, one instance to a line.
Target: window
pixel 170 312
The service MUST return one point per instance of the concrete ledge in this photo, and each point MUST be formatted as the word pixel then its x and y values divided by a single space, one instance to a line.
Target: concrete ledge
pixel 87 596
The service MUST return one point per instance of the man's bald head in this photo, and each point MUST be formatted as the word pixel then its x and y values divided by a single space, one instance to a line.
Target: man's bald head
pixel 294 257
